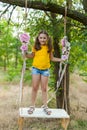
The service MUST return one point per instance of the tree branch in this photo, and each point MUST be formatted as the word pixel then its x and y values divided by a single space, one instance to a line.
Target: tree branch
pixel 5 11
pixel 11 14
pixel 54 8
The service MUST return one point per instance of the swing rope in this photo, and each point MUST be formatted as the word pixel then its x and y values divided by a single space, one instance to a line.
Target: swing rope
pixel 65 21
pixel 65 31
pixel 24 64
pixel 21 81
pixel 60 79
pixel 25 13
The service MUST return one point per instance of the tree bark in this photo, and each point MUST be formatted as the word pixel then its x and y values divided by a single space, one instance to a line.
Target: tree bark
pixel 62 97
pixel 59 93
pixel 68 26
pixel 54 8
pixel 67 88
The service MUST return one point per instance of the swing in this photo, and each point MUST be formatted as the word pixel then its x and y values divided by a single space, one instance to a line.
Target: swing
pixel 38 112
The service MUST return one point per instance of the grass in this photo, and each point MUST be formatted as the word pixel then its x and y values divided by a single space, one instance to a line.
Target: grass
pixel 9 106
pixel 78 125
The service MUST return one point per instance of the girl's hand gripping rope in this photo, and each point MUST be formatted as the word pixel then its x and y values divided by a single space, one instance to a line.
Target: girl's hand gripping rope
pixel 24 38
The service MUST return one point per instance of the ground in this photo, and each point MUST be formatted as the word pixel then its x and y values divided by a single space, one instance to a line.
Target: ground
pixel 78 97
pixel 9 106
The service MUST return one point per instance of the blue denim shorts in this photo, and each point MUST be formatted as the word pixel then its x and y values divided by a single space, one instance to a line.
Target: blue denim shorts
pixel 41 72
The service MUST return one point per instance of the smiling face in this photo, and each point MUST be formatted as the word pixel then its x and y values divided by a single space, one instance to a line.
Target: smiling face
pixel 42 39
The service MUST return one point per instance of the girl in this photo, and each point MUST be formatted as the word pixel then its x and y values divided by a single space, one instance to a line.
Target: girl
pixel 42 55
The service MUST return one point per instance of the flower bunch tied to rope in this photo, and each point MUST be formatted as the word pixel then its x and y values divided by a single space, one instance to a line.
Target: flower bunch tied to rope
pixel 65 48
pixel 24 38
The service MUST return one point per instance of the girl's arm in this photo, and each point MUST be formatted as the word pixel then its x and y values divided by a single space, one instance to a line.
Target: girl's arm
pixel 55 59
pixel 29 55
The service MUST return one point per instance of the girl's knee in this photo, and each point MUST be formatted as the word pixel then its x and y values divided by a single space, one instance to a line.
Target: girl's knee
pixel 35 88
pixel 44 89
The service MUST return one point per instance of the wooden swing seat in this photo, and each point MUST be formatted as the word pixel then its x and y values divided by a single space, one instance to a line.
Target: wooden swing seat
pixel 39 113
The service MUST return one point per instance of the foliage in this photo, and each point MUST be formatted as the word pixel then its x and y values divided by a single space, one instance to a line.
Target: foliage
pixel 13 74
pixel 78 57
pixel 10 55
pixel 8 44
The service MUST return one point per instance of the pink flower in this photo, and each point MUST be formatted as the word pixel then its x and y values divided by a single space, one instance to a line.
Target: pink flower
pixel 64 57
pixel 24 37
pixel 24 47
pixel 63 42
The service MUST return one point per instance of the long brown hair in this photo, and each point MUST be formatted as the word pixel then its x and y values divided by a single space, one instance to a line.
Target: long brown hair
pixel 37 45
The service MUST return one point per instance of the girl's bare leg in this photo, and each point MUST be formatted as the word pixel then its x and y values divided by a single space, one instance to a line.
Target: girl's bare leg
pixel 44 85
pixel 35 86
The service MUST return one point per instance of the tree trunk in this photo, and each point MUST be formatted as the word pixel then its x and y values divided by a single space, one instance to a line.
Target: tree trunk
pixel 59 94
pixel 68 25
pixel 63 92
pixel 67 88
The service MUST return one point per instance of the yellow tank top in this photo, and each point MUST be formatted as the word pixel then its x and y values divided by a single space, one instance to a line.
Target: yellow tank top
pixel 41 59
